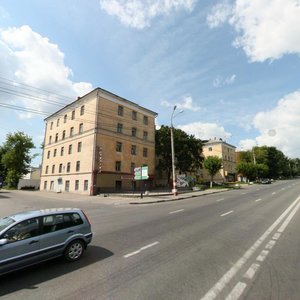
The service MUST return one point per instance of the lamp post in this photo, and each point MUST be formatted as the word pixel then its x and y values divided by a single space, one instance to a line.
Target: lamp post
pixel 174 190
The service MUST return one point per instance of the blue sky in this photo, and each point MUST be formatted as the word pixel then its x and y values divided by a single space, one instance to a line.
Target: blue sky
pixel 232 66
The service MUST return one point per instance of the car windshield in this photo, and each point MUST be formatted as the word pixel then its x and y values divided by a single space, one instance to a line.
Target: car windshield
pixel 5 222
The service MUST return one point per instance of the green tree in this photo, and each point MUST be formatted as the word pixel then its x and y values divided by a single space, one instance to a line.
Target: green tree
pixel 212 164
pixel 187 149
pixel 247 169
pixel 16 158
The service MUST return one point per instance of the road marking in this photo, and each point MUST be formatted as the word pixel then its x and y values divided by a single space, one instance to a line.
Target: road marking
pixel 221 199
pixel 262 256
pixel 251 271
pixel 274 193
pixel 141 249
pixel 243 193
pixel 237 291
pixel 270 245
pixel 258 200
pixel 288 219
pixel 283 189
pixel 227 213
pixel 258 189
pixel 225 279
pixel 176 211
pixel 276 236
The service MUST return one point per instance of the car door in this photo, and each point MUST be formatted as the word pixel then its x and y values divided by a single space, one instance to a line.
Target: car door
pixel 22 247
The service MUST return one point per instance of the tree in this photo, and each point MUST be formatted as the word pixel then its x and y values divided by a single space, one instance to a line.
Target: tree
pixel 187 148
pixel 16 158
pixel 212 164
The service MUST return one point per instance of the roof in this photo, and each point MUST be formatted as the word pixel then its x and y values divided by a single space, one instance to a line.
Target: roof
pixel 106 92
pixel 215 141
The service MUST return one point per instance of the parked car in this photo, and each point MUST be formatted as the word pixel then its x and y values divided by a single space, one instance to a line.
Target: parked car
pixel 266 181
pixel 31 237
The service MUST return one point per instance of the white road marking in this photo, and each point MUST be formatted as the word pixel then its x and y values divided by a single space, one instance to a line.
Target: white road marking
pixel 225 279
pixel 262 256
pixel 141 249
pixel 227 213
pixel 276 236
pixel 258 200
pixel 270 245
pixel 274 193
pixel 258 189
pixel 283 189
pixel 221 199
pixel 244 193
pixel 288 219
pixel 237 291
pixel 251 271
pixel 176 211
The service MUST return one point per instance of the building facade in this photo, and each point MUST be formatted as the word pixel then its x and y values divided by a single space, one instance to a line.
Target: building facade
pixel 93 145
pixel 225 151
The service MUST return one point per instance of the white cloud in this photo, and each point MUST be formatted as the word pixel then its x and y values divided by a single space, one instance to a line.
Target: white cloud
pixel 187 104
pixel 267 29
pixel 32 59
pixel 279 127
pixel 205 131
pixel 138 13
pixel 219 81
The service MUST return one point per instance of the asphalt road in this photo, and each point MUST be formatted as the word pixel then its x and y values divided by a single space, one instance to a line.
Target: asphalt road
pixel 240 244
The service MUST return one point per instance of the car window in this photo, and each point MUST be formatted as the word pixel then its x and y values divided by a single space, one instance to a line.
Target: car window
pixel 23 230
pixel 5 222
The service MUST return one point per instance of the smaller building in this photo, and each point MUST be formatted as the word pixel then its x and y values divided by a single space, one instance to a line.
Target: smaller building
pixel 31 180
pixel 225 151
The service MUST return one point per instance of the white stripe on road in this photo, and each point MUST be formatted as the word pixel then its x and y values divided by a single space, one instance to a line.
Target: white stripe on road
pixel 274 193
pixel 176 211
pixel 263 254
pixel 258 200
pixel 288 219
pixel 237 291
pixel 221 199
pixel 141 249
pixel 227 213
pixel 225 279
pixel 276 236
pixel 251 271
pixel 270 245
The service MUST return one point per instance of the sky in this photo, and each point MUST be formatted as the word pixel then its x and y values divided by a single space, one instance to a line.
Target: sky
pixel 232 66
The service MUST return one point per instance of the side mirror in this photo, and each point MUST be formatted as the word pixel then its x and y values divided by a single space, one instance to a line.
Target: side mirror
pixel 3 242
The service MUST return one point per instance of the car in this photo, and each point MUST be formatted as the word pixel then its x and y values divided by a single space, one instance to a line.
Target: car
pixel 266 181
pixel 31 237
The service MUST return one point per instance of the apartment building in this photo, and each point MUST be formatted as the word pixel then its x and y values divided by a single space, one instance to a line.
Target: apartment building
pixel 93 145
pixel 225 151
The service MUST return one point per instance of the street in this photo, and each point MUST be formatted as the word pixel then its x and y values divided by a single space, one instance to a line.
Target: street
pixel 238 244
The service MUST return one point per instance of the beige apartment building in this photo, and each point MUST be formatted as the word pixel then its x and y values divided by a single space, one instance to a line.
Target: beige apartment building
pixel 94 144
pixel 225 151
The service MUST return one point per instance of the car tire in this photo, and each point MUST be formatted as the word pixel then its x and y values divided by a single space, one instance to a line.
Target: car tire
pixel 74 250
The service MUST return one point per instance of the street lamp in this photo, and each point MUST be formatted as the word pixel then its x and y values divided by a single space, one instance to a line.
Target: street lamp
pixel 174 190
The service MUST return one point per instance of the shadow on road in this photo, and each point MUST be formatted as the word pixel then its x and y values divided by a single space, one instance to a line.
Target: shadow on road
pixel 30 277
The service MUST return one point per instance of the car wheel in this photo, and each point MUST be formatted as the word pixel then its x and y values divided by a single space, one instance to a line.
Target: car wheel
pixel 74 250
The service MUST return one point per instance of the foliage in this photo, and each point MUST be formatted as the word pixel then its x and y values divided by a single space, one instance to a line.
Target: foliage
pixel 187 150
pixel 16 157
pixel 212 164
pixel 252 171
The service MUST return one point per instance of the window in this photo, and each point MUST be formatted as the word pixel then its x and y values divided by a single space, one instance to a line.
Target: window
pixel 63 135
pixel 145 120
pixel 134 115
pixel 62 151
pixel 60 168
pixel 145 135
pixel 67 185
pixel 79 146
pixel 68 167
pixel 53 169
pixel 82 110
pixel 45 185
pixel 47 169
pixel 76 185
pixel 81 128
pixel 48 154
pixel 77 166
pixel 55 152
pixel 71 131
pixel 119 147
pixel 118 166
pixel 145 152
pixel 23 230
pixel 133 149
pixel 120 128
pixel 54 223
pixel 73 115
pixel 132 167
pixel 57 122
pixel 210 149
pixel 56 137
pixel 65 118
pixel 85 185
pixel 70 149
pixel 51 185
pixel 50 139
pixel 133 131
pixel 120 110
pixel 51 125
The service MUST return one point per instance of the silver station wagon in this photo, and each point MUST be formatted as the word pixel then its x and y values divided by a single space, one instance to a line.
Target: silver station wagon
pixel 31 237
